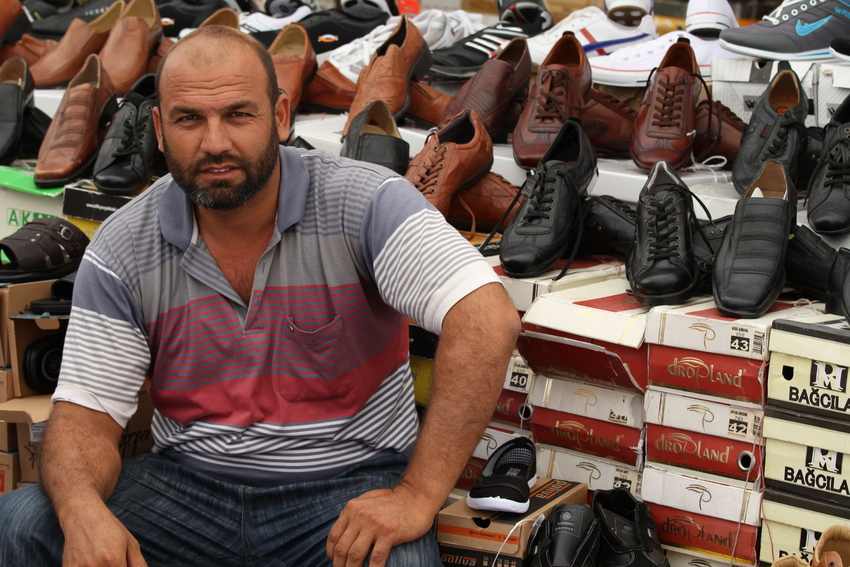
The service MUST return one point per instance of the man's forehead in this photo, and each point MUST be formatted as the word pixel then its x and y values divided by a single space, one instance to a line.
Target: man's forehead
pixel 188 76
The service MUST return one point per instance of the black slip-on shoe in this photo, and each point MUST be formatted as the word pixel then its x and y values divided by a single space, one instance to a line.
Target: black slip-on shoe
pixel 55 26
pixel 506 481
pixel 569 537
pixel 629 537
pixel 374 137
pixel 16 92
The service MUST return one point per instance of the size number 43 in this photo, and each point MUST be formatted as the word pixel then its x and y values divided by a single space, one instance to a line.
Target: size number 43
pixel 740 343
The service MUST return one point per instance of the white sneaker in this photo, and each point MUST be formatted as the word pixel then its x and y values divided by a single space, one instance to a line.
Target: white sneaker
pixel 709 15
pixel 628 12
pixel 438 28
pixel 595 31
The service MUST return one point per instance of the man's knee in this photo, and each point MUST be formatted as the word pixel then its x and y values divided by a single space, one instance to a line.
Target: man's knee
pixel 29 532
pixel 423 552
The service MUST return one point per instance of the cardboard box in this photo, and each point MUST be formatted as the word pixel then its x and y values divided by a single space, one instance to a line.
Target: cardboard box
pixel 26 328
pixel 704 494
pixel 738 83
pixel 697 451
pixel 7 389
pixel 8 438
pixel 596 473
pixel 622 407
pixel 809 368
pixel 701 327
pixel 460 526
pixel 704 414
pixel 13 300
pixel 792 525
pixel 807 455
pixel 9 472
pixel 82 200
pixel 454 556
pixel 593 332
pixel 513 408
pixel 730 377
pixel 678 557
pixel 833 88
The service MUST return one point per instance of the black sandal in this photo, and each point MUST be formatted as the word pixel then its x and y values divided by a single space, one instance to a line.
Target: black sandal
pixel 42 250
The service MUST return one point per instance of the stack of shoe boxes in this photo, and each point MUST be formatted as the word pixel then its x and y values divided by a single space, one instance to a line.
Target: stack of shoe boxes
pixel 807 431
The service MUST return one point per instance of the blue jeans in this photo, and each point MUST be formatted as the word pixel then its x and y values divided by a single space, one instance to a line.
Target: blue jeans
pixel 183 517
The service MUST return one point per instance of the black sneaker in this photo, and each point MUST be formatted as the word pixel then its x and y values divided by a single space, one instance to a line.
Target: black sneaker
pixel 828 203
pixel 530 15
pixel 41 9
pixel 187 13
pixel 629 537
pixel 506 481
pixel 330 29
pixel 465 58
pixel 56 25
pixel 569 537
pixel 609 229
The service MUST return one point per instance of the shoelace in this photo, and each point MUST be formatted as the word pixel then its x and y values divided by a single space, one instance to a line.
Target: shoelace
pixel 775 16
pixel 669 104
pixel 131 139
pixel 552 96
pixel 838 166
pixel 427 180
pixel 663 236
pixel 541 197
pixel 779 143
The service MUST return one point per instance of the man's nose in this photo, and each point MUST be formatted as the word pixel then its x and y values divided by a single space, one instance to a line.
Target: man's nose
pixel 216 139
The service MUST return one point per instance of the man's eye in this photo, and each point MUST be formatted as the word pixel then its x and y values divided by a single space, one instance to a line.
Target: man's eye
pixel 187 118
pixel 238 114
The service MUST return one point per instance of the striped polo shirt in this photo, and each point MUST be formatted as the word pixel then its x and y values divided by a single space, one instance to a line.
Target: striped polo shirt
pixel 308 378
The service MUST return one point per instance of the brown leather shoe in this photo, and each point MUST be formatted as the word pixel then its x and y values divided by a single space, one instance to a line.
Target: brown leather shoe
pixel 481 207
pixel 402 57
pixel 329 90
pixel 81 40
pixel 608 123
pixel 665 124
pixel 28 48
pixel 499 84
pixel 427 104
pixel 130 45
pixel 560 92
pixel 719 132
pixel 71 142
pixel 166 44
pixel 294 63
pixel 222 17
pixel 454 157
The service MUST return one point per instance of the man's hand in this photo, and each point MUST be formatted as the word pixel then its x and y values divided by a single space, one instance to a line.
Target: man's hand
pixel 377 521
pixel 94 537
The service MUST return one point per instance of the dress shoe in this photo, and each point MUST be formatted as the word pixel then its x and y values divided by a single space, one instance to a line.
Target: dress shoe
pixel 665 123
pixel 828 203
pixel 749 271
pixel 427 104
pixel 629 535
pixel 374 137
pixel 36 124
pixel 329 90
pixel 569 537
pixel 13 21
pixel 775 130
pixel 225 17
pixel 130 44
pixel 71 143
pixel 609 123
pixel 454 157
pixel 719 132
pixel 128 157
pixel 559 92
pixel 294 63
pixel 549 225
pixel 56 26
pixel 81 40
pixel 16 93
pixel 487 205
pixel 609 229
pixel 29 48
pixel 661 268
pixel 402 57
pixel 815 268
pixel 187 13
pixel 166 44
pixel 501 83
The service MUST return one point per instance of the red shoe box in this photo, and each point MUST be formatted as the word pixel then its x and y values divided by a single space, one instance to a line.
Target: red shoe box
pixel 512 407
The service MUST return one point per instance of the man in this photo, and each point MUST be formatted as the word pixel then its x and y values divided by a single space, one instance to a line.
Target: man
pixel 265 291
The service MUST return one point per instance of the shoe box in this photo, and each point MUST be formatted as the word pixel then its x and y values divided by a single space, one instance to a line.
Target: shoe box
pixel 588 418
pixel 739 82
pixel 15 299
pixel 83 201
pixel 833 88
pixel 22 201
pixel 494 436
pixel 809 368
pixel 678 557
pixel 473 537
pixel 593 333
pixel 7 389
pixel 597 473
pixel 9 471
pixel 792 525
pixel 703 433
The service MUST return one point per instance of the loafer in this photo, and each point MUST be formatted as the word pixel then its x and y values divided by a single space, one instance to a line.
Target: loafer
pixel 507 479
pixel 549 224
pixel 81 40
pixel 57 25
pixel 129 157
pixel 489 204
pixel 661 268
pixel 374 137
pixel 294 63
pixel 70 145
pixel 718 132
pixel 776 130
pixel 558 93
pixel 828 203
pixel 494 90
pixel 749 271
pixel 130 44
pixel 329 90
pixel 454 157
pixel 29 48
pixel 629 535
pixel 809 264
pixel 569 537
pixel 16 93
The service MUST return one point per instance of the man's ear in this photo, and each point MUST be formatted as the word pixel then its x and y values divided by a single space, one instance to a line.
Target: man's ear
pixel 282 113
pixel 157 127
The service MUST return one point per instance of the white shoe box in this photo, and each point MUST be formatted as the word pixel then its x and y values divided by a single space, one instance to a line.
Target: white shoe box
pixel 597 473
pixel 621 407
pixel 833 88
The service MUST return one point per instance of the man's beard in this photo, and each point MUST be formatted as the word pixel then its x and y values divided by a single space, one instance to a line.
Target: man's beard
pixel 224 195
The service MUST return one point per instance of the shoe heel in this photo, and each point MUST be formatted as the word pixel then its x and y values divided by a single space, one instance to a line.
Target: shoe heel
pixel 423 64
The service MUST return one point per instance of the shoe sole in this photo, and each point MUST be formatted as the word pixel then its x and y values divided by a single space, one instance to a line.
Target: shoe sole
pixel 614 78
pixel 813 55
pixel 498 504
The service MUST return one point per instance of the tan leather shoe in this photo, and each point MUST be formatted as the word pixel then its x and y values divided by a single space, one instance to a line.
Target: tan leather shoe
pixel 329 90
pixel 130 44
pixel 81 40
pixel 294 63
pixel 481 207
pixel 222 17
pixel 166 44
pixel 403 56
pixel 427 104
pixel 454 157
pixel 28 48
pixel 71 142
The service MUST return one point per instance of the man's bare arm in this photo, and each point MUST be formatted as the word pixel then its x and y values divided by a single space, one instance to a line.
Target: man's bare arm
pixel 478 336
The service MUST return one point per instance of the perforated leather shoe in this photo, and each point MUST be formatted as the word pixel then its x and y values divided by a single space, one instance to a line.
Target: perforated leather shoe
pixel 609 123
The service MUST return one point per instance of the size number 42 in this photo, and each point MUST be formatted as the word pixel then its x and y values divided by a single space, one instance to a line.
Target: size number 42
pixel 740 343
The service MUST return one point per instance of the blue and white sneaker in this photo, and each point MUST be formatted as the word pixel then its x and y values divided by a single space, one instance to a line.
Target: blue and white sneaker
pixel 796 30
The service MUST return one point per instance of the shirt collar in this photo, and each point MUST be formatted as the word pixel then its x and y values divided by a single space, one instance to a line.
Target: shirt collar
pixel 177 219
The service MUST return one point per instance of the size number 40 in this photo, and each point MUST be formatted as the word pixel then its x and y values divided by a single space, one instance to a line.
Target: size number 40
pixel 519 380
pixel 740 343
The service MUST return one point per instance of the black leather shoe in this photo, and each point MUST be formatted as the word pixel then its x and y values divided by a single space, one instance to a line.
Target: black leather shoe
pixel 776 130
pixel 549 224
pixel 629 537
pixel 707 241
pixel 661 268
pixel 55 26
pixel 16 93
pixel 129 156
pixel 609 228
pixel 749 271
pixel 809 264
pixel 828 203
pixel 569 537
pixel 373 136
